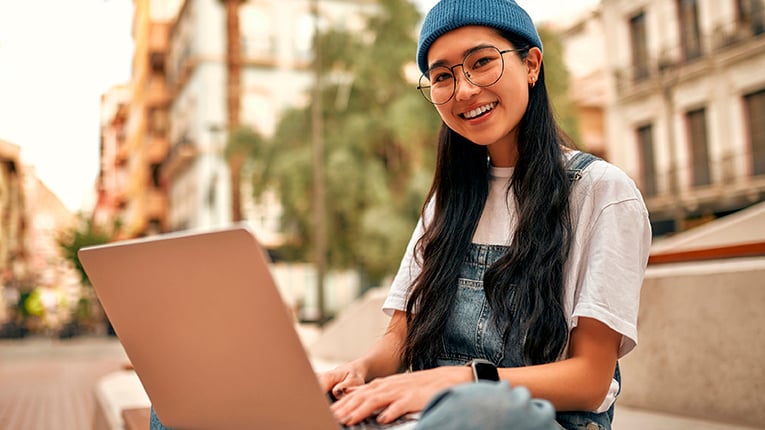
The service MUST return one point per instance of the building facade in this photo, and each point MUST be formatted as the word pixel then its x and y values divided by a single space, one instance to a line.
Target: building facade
pixel 32 220
pixel 584 55
pixel 134 131
pixel 14 252
pixel 686 114
pixel 276 53
pixel 163 161
pixel 113 173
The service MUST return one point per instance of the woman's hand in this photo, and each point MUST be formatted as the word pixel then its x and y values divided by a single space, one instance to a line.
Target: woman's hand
pixel 342 378
pixel 393 396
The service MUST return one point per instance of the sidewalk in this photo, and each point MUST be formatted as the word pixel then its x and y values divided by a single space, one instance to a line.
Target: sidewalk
pixel 48 383
pixel 627 418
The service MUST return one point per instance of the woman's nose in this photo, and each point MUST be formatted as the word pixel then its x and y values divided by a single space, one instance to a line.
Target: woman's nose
pixel 463 88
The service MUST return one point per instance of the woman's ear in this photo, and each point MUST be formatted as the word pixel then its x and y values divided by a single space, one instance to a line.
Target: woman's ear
pixel 533 64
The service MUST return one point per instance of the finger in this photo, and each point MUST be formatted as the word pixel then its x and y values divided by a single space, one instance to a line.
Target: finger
pixel 392 412
pixel 353 407
pixel 347 385
pixel 329 380
pixel 354 415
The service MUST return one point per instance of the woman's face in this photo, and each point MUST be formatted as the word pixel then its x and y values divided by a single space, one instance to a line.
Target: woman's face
pixel 489 115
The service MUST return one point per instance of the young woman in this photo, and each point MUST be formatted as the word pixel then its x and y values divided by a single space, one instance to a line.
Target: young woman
pixel 528 256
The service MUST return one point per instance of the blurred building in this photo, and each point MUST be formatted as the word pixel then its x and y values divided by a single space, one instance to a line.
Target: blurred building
pixel 13 222
pixel 275 53
pixel 32 220
pixel 131 192
pixel 584 55
pixel 47 219
pixel 686 116
pixel 163 134
pixel 114 173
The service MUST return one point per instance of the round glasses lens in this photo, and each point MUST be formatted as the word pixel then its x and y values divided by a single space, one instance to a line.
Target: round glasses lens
pixel 483 67
pixel 437 85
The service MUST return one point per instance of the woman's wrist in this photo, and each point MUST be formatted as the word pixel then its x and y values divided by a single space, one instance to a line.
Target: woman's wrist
pixel 464 374
pixel 361 368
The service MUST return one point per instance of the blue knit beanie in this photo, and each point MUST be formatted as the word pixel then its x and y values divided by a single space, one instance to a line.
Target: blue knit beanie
pixel 448 15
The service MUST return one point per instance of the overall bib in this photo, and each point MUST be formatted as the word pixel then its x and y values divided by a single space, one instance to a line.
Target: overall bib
pixel 471 332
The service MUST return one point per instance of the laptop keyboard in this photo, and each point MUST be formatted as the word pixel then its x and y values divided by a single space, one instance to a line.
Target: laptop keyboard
pixel 370 423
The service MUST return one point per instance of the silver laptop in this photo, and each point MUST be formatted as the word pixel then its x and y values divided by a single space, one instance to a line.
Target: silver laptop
pixel 207 331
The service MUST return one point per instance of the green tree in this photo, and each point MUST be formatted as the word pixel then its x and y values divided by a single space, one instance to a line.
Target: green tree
pixel 85 233
pixel 256 152
pixel 378 137
pixel 557 81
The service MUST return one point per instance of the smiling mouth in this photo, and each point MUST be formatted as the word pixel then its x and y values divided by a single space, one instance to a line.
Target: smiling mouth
pixel 475 113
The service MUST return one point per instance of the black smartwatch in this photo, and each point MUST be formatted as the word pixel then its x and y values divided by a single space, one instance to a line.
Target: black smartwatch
pixel 483 370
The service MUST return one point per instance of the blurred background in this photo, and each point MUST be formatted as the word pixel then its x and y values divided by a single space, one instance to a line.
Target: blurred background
pixel 122 119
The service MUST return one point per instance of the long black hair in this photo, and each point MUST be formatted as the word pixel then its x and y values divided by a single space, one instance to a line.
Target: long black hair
pixel 533 314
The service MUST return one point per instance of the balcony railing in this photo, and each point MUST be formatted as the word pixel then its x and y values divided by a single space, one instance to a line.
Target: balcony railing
pixel 181 155
pixel 156 205
pixel 157 93
pixel 158 148
pixel 724 37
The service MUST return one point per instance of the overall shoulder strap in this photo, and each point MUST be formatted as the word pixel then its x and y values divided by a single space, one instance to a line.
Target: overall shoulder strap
pixel 577 164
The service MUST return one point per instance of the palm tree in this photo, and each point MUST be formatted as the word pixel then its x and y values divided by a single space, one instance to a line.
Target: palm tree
pixel 233 94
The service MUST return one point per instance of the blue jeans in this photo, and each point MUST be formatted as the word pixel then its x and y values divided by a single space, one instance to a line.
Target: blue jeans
pixel 487 406
pixel 154 423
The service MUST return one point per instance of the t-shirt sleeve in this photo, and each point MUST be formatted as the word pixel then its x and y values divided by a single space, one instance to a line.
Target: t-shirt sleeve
pixel 615 256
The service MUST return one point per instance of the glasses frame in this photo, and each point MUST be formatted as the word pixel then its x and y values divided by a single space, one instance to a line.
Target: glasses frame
pixel 422 89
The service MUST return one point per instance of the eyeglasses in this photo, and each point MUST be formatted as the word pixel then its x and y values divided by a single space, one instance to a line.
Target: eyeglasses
pixel 482 67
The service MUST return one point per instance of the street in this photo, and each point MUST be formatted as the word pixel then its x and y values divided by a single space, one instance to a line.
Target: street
pixel 47 384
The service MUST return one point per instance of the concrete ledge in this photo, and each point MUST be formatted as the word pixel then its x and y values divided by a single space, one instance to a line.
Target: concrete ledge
pixel 700 354
pixel 137 418
pixel 353 331
pixel 115 393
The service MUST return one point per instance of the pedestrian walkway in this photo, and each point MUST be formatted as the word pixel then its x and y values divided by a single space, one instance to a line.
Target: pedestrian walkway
pixel 48 383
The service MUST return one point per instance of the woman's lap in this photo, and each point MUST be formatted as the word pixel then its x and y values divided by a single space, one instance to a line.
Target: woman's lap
pixel 478 406
pixel 487 406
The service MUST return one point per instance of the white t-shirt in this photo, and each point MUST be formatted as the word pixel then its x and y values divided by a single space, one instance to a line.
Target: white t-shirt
pixel 609 249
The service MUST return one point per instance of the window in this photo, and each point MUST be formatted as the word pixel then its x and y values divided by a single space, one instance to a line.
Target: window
pixel 690 37
pixel 639 41
pixel 156 175
pixel 647 160
pixel 696 123
pixel 755 114
pixel 303 36
pixel 751 13
pixel 258 39
pixel 158 121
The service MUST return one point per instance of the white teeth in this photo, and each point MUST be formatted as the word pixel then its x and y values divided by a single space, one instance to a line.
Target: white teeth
pixel 477 111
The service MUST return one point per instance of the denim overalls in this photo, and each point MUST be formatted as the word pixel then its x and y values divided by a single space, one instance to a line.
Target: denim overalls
pixel 470 331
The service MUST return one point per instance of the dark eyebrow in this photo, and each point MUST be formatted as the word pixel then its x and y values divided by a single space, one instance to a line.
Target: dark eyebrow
pixel 464 54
